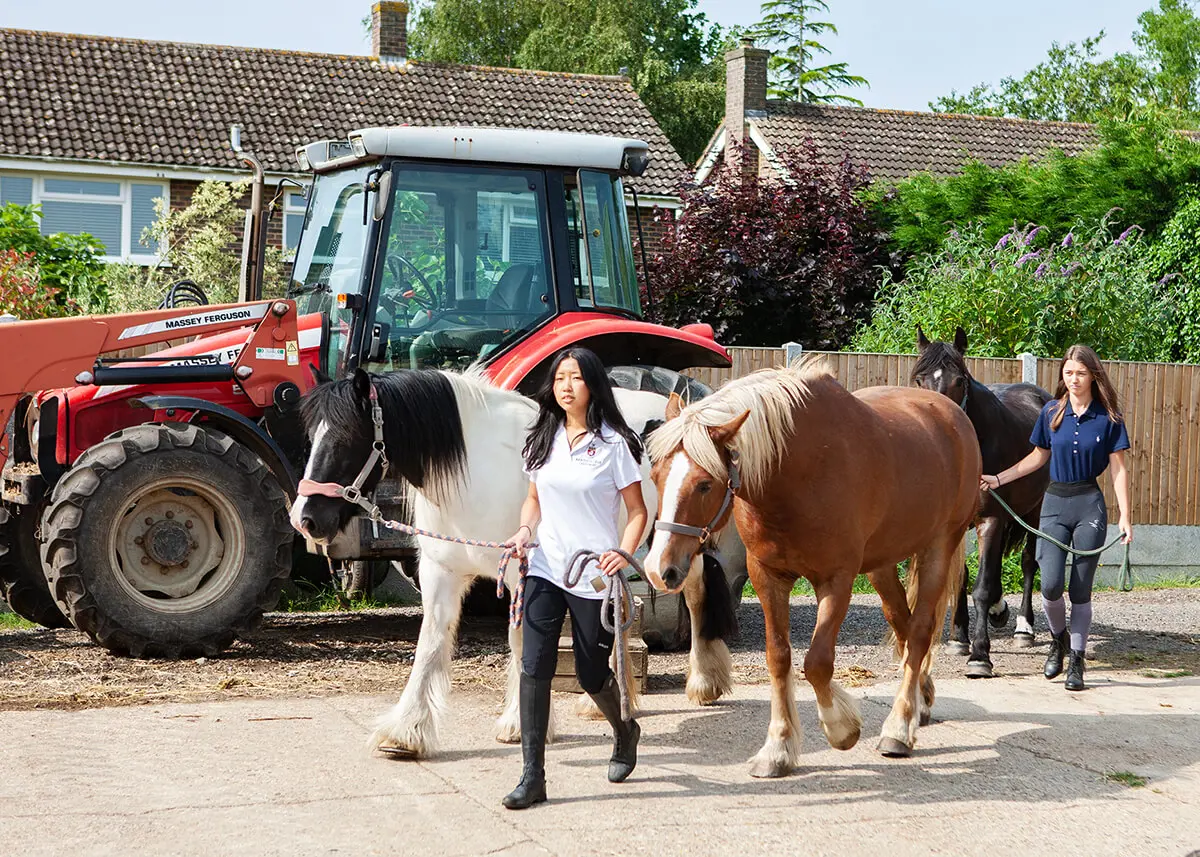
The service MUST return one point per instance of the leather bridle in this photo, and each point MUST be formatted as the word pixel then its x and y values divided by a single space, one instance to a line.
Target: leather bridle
pixel 352 493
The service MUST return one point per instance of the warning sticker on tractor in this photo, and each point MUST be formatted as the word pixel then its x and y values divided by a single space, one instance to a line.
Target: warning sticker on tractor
pixel 293 352
pixel 269 353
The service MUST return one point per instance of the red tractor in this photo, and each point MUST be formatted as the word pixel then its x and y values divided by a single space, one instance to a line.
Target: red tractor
pixel 145 500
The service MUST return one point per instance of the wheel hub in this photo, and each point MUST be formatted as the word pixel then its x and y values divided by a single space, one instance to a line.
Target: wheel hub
pixel 168 542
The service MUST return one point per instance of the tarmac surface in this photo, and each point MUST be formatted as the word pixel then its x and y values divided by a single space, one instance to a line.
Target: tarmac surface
pixel 1014 765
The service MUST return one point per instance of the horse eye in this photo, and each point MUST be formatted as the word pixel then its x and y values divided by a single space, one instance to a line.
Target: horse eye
pixel 705 487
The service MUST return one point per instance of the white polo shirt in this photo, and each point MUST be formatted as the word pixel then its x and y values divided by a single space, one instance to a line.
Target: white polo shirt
pixel 579 491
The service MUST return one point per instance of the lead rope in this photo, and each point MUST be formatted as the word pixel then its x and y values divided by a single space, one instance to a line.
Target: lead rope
pixel 1125 578
pixel 618 598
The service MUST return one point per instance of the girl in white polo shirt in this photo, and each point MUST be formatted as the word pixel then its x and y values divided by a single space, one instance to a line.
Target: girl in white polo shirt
pixel 582 460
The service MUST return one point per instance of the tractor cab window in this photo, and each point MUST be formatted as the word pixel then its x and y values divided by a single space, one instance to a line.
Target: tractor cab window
pixel 601 253
pixel 331 258
pixel 464 265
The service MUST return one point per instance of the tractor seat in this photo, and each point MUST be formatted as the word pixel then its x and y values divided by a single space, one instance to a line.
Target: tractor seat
pixel 511 294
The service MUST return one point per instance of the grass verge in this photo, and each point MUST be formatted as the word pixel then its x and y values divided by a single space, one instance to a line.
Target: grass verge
pixel 1127 778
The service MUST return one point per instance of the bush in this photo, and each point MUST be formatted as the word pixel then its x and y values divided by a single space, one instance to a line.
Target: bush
pixel 1174 263
pixel 70 267
pixel 1027 292
pixel 203 245
pixel 23 291
pixel 1142 167
pixel 768 261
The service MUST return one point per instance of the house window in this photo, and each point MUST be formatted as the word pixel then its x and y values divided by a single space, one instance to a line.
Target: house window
pixel 116 212
pixel 294 205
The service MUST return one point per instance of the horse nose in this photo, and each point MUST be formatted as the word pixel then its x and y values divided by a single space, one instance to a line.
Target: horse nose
pixel 306 525
pixel 672 577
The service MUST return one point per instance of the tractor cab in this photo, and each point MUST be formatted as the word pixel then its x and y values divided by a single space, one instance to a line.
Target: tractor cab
pixel 453 247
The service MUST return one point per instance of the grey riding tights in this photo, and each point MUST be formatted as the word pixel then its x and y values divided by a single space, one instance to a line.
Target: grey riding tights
pixel 1080 521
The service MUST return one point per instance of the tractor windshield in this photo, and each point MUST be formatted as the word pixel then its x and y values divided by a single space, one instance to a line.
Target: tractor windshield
pixel 465 265
pixel 601 253
pixel 331 257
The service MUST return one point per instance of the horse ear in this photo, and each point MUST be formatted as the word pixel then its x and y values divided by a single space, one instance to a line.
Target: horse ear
pixel 722 435
pixel 362 384
pixel 922 342
pixel 674 406
pixel 960 340
pixel 319 377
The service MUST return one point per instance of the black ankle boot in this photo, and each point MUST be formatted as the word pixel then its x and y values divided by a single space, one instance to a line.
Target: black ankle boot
pixel 1059 645
pixel 1075 671
pixel 625 735
pixel 535 721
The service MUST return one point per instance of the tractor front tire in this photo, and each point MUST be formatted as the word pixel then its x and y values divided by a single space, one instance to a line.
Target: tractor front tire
pixel 167 540
pixel 22 582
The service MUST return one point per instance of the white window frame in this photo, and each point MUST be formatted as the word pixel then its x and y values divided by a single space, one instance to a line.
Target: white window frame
pixel 132 250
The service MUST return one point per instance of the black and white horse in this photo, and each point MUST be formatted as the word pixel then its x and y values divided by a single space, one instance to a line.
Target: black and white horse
pixel 1003 416
pixel 457 440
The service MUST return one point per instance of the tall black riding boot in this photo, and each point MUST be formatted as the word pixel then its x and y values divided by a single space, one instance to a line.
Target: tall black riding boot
pixel 1075 671
pixel 535 721
pixel 625 735
pixel 1059 645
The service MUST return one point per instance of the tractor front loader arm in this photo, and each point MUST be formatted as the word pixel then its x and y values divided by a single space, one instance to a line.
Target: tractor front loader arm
pixel 63 352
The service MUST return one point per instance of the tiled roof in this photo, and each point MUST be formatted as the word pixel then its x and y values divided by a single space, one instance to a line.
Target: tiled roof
pixel 897 143
pixel 142 102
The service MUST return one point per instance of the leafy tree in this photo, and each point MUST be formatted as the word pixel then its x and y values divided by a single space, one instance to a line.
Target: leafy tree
pixel 765 261
pixel 1076 84
pixel 23 291
pixel 1174 263
pixel 69 267
pixel 202 242
pixel 790 26
pixel 1143 167
pixel 671 53
pixel 1033 290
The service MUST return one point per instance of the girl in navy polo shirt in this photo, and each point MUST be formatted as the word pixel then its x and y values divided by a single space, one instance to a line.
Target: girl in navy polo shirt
pixel 582 460
pixel 1082 432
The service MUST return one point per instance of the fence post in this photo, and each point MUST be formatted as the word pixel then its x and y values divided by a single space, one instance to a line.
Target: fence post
pixel 792 351
pixel 1028 369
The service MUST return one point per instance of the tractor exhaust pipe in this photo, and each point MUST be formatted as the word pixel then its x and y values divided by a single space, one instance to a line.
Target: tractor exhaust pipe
pixel 254 236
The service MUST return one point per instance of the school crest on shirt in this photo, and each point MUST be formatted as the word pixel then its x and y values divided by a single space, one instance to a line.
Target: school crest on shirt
pixel 590 456
pixel 591 450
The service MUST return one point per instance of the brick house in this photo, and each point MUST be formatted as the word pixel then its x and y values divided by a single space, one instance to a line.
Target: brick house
pixel 95 129
pixel 894 144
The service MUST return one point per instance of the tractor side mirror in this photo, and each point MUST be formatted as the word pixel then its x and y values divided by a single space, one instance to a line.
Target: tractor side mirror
pixel 383 195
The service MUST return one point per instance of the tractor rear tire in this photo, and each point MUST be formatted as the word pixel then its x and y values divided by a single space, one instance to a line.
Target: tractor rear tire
pixel 167 540
pixel 655 379
pixel 22 582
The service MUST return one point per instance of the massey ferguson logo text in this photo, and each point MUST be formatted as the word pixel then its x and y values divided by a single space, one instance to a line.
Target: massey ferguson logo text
pixel 214 318
pixel 203 319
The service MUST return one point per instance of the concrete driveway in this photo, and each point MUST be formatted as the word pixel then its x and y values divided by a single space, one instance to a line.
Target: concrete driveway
pixel 1010 766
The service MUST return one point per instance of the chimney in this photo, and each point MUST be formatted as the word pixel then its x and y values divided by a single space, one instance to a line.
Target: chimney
pixel 389 32
pixel 745 98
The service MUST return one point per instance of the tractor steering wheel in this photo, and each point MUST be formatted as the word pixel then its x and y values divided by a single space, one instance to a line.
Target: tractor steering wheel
pixel 393 262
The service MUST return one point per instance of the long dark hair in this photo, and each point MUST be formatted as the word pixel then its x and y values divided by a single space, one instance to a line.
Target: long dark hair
pixel 1102 388
pixel 602 408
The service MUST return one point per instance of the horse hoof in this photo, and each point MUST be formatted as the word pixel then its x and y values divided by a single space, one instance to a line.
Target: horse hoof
pixel 999 620
pixel 894 749
pixel 926 717
pixel 979 669
pixel 400 753
pixel 767 769
pixel 957 647
pixel 1023 641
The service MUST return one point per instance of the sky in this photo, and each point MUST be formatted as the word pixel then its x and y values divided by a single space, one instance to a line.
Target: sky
pixel 912 51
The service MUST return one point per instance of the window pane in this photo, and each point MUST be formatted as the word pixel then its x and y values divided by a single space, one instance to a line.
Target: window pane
pixel 16 189
pixel 102 221
pixel 142 216
pixel 292 224
pixel 83 186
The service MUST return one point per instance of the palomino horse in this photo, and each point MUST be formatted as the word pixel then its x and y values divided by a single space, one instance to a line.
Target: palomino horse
pixel 457 440
pixel 823 485
pixel 1003 416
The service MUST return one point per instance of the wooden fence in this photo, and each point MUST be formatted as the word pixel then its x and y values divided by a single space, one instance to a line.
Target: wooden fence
pixel 1161 402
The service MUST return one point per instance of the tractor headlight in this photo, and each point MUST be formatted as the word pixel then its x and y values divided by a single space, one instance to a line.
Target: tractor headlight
pixel 358 146
pixel 35 432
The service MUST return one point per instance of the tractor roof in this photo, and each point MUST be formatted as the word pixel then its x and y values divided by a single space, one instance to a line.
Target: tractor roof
pixel 493 145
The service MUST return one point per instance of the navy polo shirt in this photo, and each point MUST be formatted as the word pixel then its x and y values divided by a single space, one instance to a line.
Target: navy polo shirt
pixel 1080 447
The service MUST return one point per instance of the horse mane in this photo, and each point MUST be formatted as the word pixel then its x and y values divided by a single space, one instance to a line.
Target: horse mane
pixel 770 395
pixel 937 354
pixel 422 424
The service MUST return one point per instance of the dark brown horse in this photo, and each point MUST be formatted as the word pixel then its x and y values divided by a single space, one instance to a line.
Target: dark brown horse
pixel 825 485
pixel 1003 416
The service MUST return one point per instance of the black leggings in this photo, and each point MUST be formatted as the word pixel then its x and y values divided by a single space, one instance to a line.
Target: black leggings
pixel 1080 521
pixel 546 605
